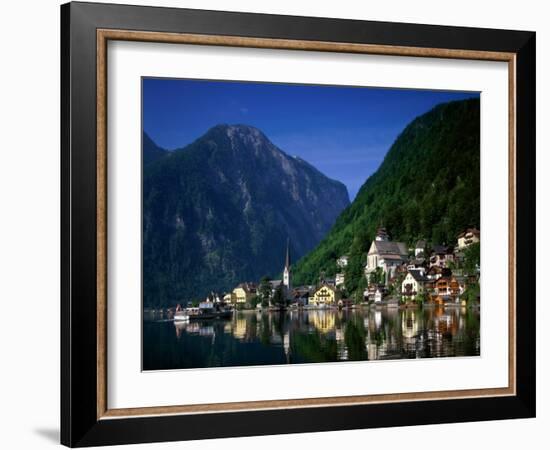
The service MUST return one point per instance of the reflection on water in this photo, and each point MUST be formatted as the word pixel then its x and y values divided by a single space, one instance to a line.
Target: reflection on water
pixel 293 337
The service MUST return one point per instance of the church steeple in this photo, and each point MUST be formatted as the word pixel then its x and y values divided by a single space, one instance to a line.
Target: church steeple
pixel 287 282
pixel 287 258
pixel 382 234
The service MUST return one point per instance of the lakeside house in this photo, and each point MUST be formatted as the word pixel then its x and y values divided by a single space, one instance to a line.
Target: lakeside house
pixel 447 289
pixel 301 295
pixel 413 284
pixel 244 293
pixel 325 294
pixel 374 292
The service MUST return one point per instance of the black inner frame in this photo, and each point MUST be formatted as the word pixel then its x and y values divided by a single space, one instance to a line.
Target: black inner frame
pixel 79 423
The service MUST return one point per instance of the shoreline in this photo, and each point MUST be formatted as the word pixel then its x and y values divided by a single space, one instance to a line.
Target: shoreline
pixel 168 312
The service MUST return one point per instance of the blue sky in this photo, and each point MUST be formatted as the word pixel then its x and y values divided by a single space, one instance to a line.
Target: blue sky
pixel 343 131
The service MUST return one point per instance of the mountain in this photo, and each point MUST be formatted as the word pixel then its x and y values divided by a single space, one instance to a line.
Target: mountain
pixel 427 187
pixel 151 151
pixel 219 212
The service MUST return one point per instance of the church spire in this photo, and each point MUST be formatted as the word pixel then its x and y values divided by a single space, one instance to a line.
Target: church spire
pixel 287 258
pixel 382 234
pixel 287 280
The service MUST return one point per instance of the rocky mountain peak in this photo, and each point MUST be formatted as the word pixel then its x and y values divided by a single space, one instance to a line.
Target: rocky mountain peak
pixel 241 136
pixel 220 211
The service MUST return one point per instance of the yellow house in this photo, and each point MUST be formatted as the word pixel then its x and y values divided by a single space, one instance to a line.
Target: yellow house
pixel 243 293
pixel 325 295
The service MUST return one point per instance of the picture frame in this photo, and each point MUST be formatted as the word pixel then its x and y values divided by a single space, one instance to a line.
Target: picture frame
pixel 86 418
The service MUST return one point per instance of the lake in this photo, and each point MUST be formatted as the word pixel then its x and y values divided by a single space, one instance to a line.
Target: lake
pixel 311 336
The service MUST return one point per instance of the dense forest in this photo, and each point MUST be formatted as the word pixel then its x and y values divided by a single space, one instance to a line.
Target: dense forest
pixel 426 188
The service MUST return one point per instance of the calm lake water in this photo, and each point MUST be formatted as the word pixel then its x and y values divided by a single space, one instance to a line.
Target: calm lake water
pixel 294 337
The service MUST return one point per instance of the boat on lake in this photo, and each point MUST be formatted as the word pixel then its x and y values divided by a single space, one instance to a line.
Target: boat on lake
pixel 205 311
pixel 181 316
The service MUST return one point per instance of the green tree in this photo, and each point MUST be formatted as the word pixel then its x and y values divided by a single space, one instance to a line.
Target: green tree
pixel 361 286
pixel 255 300
pixel 378 276
pixel 265 289
pixel 395 287
pixel 279 297
pixel 471 293
pixel 472 258
pixel 421 298
pixel 355 270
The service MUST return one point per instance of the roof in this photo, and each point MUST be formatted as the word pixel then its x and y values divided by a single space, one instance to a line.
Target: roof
pixel 474 231
pixel 420 244
pixel 287 256
pixel 417 261
pixel 250 287
pixel 331 287
pixel 302 289
pixel 381 232
pixel 445 271
pixel 275 283
pixel 448 278
pixel 390 247
pixel 392 257
pixel 301 292
pixel 418 275
pixel 441 250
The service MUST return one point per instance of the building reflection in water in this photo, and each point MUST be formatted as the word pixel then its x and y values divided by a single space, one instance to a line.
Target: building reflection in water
pixel 331 335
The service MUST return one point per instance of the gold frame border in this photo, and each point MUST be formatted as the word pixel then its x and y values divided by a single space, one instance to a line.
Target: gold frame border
pixel 103 36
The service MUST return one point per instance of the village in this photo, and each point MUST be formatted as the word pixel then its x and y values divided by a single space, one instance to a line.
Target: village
pixel 395 276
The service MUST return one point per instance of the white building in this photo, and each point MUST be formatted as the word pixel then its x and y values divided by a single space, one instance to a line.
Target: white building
pixel 385 254
pixel 413 284
pixel 441 256
pixel 340 279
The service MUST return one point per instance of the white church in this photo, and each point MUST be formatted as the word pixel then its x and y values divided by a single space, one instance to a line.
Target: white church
pixel 385 254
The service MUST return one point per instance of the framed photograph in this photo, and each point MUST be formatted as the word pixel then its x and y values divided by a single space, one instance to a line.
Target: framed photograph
pixel 277 224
